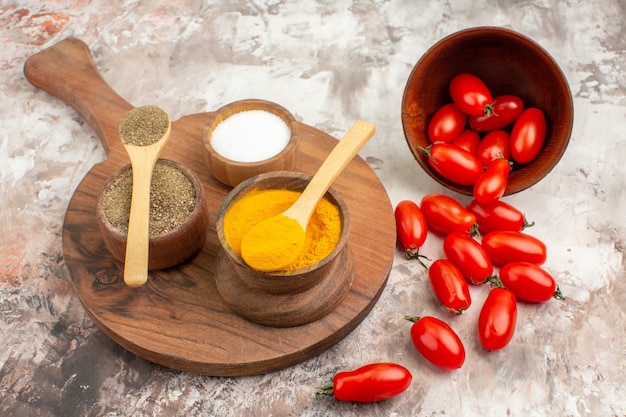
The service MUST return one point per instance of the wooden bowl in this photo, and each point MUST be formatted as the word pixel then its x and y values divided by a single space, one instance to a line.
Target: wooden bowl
pixel 166 249
pixel 232 172
pixel 509 63
pixel 291 298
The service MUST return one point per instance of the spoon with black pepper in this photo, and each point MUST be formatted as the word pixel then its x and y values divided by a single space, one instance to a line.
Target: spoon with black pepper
pixel 144 131
pixel 276 242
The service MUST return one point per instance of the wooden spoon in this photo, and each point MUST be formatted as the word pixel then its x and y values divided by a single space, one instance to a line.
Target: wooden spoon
pixel 144 132
pixel 276 242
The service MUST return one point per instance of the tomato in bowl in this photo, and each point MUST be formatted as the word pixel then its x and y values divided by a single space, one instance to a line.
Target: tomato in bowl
pixel 508 63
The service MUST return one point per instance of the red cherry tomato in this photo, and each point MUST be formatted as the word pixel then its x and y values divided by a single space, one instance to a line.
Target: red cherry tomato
pixel 437 342
pixel 449 286
pixel 497 319
pixel 498 216
pixel 491 184
pixel 411 227
pixel 468 256
pixel 506 109
pixel 468 140
pixel 446 124
pixel 528 135
pixel 505 246
pixel 529 282
pixel 453 163
pixel 494 145
pixel 471 94
pixel 370 383
pixel 446 215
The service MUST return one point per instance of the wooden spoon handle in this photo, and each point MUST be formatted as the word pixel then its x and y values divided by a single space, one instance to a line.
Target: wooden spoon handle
pixel 66 70
pixel 337 160
pixel 138 238
pixel 143 159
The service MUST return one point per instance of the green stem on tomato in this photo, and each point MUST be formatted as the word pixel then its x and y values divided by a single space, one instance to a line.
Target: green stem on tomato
pixel 527 224
pixel 494 280
pixel 457 312
pixel 558 294
pixel 427 151
pixel 412 319
pixel 414 254
pixel 325 390
pixel 490 110
pixel 474 232
pixel 501 156
pixel 483 281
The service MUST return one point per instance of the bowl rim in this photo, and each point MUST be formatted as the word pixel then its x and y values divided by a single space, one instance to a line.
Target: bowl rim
pixel 222 113
pixel 248 185
pixel 568 120
pixel 162 237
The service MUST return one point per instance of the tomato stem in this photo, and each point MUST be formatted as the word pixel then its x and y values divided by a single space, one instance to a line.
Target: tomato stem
pixel 325 390
pixel 457 312
pixel 501 156
pixel 494 280
pixel 412 319
pixel 490 110
pixel 414 254
pixel 474 232
pixel 475 282
pixel 427 150
pixel 558 294
pixel 526 223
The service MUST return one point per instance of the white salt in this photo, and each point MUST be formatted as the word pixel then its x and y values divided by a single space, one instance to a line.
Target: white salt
pixel 250 136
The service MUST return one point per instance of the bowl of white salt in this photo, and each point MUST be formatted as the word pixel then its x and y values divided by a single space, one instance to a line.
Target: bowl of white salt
pixel 249 137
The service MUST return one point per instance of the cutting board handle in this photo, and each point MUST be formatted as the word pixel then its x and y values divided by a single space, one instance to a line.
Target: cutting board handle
pixel 67 71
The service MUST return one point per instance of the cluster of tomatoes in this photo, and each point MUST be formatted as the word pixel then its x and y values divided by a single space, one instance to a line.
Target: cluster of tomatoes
pixel 478 239
pixel 484 235
pixel 510 132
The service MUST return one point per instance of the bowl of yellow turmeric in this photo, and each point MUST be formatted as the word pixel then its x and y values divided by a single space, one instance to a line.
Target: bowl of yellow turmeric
pixel 313 284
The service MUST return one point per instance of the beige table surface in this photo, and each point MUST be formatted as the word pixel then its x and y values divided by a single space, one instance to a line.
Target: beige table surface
pixel 329 63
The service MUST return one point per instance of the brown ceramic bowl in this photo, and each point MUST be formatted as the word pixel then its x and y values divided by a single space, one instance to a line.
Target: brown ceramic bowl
pixel 283 299
pixel 231 172
pixel 509 63
pixel 170 248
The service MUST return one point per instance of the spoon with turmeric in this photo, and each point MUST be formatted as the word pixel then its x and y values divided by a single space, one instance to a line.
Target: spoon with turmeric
pixel 276 242
pixel 144 132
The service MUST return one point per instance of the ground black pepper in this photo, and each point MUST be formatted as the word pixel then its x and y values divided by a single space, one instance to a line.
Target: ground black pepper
pixel 172 199
pixel 143 126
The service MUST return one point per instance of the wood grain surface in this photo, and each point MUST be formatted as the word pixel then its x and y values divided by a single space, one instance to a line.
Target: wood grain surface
pixel 178 318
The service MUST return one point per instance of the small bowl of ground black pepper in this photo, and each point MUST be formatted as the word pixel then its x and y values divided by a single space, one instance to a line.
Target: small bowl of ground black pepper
pixel 249 137
pixel 179 218
pixel 302 292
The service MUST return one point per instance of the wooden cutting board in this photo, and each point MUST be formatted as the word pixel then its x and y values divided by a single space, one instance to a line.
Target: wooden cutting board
pixel 178 319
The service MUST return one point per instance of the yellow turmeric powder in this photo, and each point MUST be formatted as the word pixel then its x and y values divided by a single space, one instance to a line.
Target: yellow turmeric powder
pixel 273 243
pixel 322 233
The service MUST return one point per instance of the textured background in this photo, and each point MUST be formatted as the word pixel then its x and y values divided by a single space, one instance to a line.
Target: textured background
pixel 329 63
